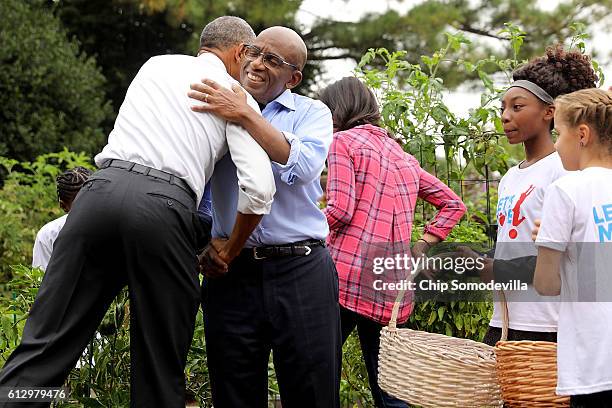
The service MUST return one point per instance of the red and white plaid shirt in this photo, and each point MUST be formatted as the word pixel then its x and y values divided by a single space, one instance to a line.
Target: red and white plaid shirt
pixel 372 188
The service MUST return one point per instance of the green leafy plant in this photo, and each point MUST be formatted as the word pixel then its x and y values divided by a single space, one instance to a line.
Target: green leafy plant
pixel 413 108
pixel 52 95
pixel 28 200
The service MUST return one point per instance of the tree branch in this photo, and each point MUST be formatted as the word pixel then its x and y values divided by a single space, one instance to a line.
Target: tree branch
pixel 468 28
pixel 332 57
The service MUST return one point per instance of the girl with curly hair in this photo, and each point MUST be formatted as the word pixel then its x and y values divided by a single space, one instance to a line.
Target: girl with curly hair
pixel 527 115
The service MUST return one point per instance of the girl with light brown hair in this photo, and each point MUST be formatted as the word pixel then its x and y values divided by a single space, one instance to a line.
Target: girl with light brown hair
pixel 574 247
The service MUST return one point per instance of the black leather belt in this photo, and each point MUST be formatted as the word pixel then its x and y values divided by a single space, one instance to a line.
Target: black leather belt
pixel 149 171
pixel 300 248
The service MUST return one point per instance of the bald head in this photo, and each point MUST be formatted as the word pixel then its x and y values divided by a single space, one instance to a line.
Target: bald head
pixel 265 81
pixel 292 44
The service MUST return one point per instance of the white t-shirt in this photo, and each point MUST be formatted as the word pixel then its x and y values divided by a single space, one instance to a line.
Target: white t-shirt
pixel 521 196
pixel 577 210
pixel 43 245
pixel 156 128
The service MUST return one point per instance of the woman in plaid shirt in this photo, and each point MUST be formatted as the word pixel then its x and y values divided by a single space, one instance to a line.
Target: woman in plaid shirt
pixel 372 188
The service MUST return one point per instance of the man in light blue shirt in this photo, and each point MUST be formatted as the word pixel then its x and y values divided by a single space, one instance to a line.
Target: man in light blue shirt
pixel 280 293
pixel 306 124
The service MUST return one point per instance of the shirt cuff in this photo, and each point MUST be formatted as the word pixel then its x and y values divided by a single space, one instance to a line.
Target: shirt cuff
pixel 557 246
pixel 441 233
pixel 248 204
pixel 286 170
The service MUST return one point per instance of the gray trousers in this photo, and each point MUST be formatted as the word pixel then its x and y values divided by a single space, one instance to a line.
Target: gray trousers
pixel 124 228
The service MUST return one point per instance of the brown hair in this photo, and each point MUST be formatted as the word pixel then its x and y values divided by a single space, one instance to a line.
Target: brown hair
pixel 592 107
pixel 351 103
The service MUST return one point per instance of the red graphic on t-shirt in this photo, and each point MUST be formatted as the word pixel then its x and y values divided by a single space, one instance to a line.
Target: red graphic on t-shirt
pixel 502 219
pixel 516 212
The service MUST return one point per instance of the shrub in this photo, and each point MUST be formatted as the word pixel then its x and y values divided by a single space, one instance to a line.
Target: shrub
pixel 28 200
pixel 51 95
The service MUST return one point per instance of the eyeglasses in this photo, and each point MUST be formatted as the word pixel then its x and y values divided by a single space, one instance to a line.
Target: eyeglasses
pixel 271 61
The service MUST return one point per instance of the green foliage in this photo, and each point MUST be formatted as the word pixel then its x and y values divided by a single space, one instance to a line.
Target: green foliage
pixel 102 375
pixel 51 95
pixel 28 200
pixel 354 384
pixel 411 96
pixel 101 378
pixel 196 371
pixel 459 319
pixel 14 307
pixel 421 29
pixel 124 34
pixel 413 108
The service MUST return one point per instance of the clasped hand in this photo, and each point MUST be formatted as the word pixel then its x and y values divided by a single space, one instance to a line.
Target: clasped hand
pixel 215 259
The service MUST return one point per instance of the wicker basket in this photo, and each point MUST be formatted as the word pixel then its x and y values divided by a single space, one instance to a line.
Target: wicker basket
pixel 527 370
pixel 433 370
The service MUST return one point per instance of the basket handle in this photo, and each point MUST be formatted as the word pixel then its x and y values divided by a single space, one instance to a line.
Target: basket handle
pixel 505 316
pixel 395 311
pixel 396 306
pixel 398 300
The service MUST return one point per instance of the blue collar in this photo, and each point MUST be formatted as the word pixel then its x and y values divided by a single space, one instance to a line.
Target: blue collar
pixel 285 99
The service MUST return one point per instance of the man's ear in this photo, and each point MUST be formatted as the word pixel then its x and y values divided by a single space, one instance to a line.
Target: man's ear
pixel 296 79
pixel 238 53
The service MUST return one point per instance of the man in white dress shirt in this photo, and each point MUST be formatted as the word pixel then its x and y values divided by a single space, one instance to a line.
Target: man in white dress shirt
pixel 134 223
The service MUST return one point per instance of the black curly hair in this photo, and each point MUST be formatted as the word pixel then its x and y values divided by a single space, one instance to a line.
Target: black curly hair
pixel 70 182
pixel 559 72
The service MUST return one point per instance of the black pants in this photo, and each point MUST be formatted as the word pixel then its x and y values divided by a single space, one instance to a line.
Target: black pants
pixel 124 228
pixel 493 335
pixel 369 339
pixel 288 305
pixel 597 400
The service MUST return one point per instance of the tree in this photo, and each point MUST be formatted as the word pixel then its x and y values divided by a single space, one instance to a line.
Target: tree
pixel 123 34
pixel 51 94
pixel 420 31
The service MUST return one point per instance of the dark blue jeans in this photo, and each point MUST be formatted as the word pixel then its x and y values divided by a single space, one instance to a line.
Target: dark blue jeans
pixel 598 400
pixel 369 338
